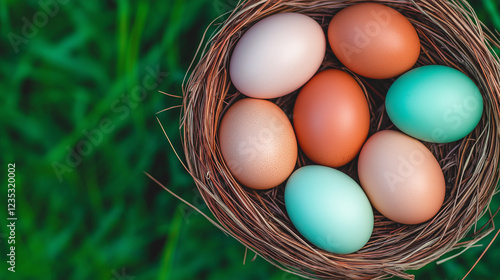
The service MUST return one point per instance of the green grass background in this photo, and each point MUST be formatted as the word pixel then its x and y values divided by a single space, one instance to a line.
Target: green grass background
pixel 80 70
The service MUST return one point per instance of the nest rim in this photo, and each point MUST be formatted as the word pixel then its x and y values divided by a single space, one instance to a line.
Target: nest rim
pixel 257 219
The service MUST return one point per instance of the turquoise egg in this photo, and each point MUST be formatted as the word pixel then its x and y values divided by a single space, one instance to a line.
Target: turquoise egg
pixel 434 103
pixel 329 209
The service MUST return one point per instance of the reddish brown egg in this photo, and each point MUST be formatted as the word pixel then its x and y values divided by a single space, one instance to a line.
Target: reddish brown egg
pixel 374 40
pixel 331 118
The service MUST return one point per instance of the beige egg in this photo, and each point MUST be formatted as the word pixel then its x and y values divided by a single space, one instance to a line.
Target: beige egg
pixel 401 177
pixel 258 143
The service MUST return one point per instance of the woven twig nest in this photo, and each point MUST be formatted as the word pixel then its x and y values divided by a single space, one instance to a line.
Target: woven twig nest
pixel 450 35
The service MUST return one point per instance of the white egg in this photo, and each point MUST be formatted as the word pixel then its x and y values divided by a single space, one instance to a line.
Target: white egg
pixel 277 55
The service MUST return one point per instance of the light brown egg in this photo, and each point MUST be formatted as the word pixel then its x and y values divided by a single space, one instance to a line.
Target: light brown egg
pixel 258 143
pixel 374 40
pixel 331 118
pixel 401 177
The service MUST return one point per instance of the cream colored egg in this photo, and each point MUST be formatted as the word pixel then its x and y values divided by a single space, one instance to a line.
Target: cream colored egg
pixel 277 55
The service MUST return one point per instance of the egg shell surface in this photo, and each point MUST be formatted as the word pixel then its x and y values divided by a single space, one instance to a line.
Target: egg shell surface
pixel 331 118
pixel 374 40
pixel 435 103
pixel 401 177
pixel 258 143
pixel 329 209
pixel 277 55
